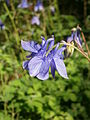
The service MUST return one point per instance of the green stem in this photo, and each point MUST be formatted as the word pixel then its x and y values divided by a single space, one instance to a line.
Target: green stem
pixel 12 21
pixel 6 35
pixel 50 50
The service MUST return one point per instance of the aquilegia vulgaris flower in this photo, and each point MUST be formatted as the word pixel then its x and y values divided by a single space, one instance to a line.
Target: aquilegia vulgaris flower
pixel 75 37
pixel 35 20
pixel 23 4
pixel 42 56
pixel 38 6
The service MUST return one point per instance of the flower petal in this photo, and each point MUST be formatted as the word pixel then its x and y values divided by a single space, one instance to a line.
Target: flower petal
pixel 60 67
pixel 35 65
pixel 51 44
pixel 43 41
pixel 24 4
pixel 43 76
pixel 53 67
pixel 25 64
pixel 44 70
pixel 35 20
pixel 78 38
pixel 29 46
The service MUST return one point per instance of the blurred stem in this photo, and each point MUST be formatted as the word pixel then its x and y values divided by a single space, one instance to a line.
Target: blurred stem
pixel 12 21
pixel 13 114
pixel 3 92
pixel 12 6
pixel 44 21
pixel 85 10
pixel 85 43
pixel 6 35
pixel 5 107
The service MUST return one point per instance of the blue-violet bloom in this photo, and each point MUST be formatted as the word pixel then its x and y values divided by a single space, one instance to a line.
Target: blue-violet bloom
pixel 39 61
pixel 35 20
pixel 38 6
pixel 23 4
pixel 77 37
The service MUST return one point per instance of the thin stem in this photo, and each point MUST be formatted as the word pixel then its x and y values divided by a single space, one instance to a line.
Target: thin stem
pixel 12 21
pixel 85 43
pixel 6 35
pixel 50 50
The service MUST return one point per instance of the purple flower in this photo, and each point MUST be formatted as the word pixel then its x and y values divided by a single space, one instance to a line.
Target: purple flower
pixel 38 6
pixel 2 25
pixel 39 61
pixel 24 4
pixel 35 20
pixel 77 37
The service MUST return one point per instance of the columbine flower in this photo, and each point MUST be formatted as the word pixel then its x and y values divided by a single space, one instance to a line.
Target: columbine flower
pixel 24 4
pixel 2 25
pixel 39 61
pixel 75 37
pixel 38 6
pixel 35 20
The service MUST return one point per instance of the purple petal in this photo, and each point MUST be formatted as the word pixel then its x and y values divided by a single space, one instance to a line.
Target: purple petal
pixel 35 65
pixel 53 68
pixel 41 7
pixel 78 38
pixel 44 70
pixel 70 38
pixel 25 64
pixel 52 53
pixel 36 8
pixel 51 43
pixel 43 76
pixel 23 4
pixel 35 20
pixel 59 52
pixel 43 40
pixel 29 46
pixel 46 43
pixel 60 67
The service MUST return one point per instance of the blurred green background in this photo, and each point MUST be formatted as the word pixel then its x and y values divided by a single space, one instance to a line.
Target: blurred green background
pixel 26 98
